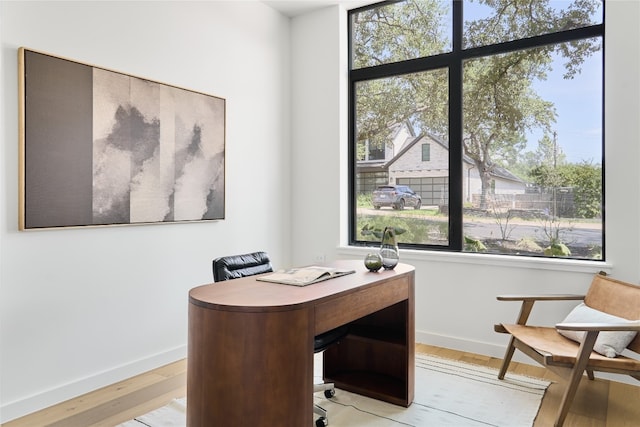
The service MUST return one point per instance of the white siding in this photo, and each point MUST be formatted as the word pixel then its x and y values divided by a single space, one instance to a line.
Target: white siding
pixel 410 164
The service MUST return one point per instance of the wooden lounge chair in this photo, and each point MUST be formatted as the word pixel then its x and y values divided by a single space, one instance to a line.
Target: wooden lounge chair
pixel 570 359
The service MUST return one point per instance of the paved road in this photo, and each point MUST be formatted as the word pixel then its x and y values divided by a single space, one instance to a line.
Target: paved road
pixel 579 234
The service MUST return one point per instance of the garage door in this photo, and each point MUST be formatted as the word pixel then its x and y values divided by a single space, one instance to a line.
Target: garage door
pixel 434 191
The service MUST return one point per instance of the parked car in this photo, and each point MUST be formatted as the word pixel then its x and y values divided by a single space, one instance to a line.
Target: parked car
pixel 396 196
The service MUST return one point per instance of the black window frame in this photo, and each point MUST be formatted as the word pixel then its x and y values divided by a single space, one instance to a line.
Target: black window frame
pixel 453 61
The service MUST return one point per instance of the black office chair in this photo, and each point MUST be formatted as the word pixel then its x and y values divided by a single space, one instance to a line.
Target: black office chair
pixel 236 266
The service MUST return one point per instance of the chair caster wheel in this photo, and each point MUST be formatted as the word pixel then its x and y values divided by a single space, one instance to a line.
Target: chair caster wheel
pixel 322 422
pixel 330 393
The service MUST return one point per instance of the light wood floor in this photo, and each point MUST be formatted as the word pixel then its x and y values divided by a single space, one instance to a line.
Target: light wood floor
pixel 598 403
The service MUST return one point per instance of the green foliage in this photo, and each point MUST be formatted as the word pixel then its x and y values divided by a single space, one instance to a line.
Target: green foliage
pixel 515 19
pixel 393 33
pixel 556 250
pixel 548 152
pixel 545 176
pixel 378 232
pixel 408 230
pixel 473 245
pixel 585 179
pixel 364 201
pixel 596 252
pixel 402 26
pixel 529 245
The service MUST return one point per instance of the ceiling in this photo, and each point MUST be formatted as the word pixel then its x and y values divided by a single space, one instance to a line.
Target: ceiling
pixel 294 8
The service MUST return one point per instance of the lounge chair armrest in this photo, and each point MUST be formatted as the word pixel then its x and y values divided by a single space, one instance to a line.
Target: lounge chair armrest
pixel 549 297
pixel 634 326
pixel 529 300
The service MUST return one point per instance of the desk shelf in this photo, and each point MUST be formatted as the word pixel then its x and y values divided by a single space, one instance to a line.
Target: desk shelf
pixel 376 386
pixel 371 333
pixel 376 358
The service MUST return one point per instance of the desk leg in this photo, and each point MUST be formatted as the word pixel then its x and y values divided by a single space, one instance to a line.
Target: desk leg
pixel 249 369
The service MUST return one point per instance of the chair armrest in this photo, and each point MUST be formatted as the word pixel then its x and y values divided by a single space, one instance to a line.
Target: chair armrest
pixel 634 326
pixel 549 297
pixel 529 300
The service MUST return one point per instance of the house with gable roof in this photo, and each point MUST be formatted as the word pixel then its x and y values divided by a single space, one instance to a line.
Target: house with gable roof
pixel 422 162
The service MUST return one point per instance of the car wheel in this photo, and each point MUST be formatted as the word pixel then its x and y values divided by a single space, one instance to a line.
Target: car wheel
pixel 376 207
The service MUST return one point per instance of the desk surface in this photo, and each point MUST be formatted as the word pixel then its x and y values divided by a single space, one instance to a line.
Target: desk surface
pixel 249 294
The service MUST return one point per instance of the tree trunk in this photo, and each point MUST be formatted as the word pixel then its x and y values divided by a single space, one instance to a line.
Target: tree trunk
pixel 485 179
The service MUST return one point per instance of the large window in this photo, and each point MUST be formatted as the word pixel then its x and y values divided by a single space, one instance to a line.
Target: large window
pixel 492 112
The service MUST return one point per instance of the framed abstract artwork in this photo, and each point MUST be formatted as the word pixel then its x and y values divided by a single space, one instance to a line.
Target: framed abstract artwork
pixel 99 147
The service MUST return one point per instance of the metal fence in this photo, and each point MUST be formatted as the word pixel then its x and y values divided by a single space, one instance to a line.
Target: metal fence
pixel 557 202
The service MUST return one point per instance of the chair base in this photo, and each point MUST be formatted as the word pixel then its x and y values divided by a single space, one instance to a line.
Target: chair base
pixel 329 391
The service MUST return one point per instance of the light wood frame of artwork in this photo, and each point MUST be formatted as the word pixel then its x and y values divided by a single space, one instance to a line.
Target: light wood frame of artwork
pixel 99 147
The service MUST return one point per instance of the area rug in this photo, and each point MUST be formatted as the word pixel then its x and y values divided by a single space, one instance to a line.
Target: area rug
pixel 447 393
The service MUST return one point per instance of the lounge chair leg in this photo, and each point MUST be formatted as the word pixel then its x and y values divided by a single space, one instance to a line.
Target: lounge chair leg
pixel 525 310
pixel 567 398
pixel 590 374
pixel 576 375
pixel 507 359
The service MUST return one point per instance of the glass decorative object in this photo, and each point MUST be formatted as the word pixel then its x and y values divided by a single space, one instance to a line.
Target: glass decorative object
pixel 389 251
pixel 373 261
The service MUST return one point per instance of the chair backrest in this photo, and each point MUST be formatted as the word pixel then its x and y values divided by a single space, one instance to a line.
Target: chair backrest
pixel 236 266
pixel 617 298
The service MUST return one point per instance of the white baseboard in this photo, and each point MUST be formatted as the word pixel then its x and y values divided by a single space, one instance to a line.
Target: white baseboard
pixel 460 344
pixel 53 396
pixel 495 350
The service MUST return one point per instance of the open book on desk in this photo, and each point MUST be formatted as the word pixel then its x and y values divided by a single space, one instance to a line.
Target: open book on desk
pixel 304 276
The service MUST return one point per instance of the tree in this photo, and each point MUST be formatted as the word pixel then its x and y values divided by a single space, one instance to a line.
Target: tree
pixel 499 103
pixel 546 160
pixel 397 32
pixel 549 153
pixel 500 106
pixel 586 180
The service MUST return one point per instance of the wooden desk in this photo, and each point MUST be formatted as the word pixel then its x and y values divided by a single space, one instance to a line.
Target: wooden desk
pixel 250 352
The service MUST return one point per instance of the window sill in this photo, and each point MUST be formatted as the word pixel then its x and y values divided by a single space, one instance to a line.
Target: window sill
pixel 554 264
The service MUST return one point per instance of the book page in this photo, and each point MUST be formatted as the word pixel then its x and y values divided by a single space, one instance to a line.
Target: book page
pixel 304 275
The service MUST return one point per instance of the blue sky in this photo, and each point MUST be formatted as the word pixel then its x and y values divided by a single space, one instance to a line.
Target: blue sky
pixel 578 105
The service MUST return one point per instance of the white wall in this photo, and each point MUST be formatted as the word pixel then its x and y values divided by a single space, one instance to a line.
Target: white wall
pixel 455 293
pixel 318 133
pixel 82 308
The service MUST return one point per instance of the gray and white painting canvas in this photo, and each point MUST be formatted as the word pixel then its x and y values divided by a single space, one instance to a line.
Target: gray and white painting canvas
pixel 104 148
pixel 158 152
